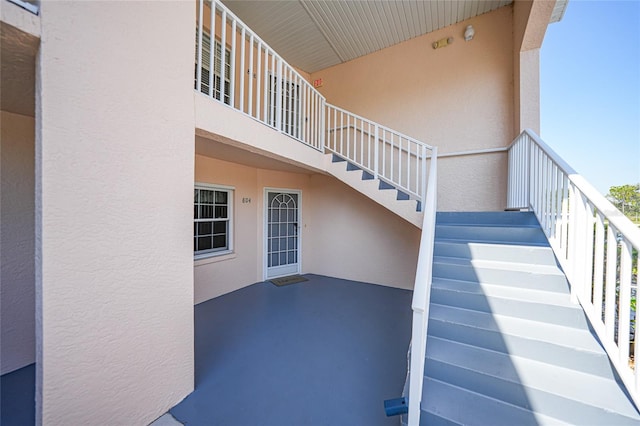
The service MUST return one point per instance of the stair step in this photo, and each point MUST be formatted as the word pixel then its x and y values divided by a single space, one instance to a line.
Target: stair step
pixel 532 277
pixel 336 158
pixel 352 167
pixel 402 196
pixel 567 347
pixel 487 218
pixel 497 234
pixel 367 176
pixel 446 404
pixel 498 252
pixel 385 185
pixel 489 290
pixel 544 388
pixel 565 315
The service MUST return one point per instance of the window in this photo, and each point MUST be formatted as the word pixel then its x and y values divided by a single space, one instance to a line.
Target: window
pixel 289 106
pixel 211 220
pixel 206 66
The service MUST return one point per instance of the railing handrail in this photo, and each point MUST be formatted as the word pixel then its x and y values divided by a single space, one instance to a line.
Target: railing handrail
pixel 422 294
pixel 593 241
pixel 600 202
pixel 271 91
pixel 380 126
pixel 258 39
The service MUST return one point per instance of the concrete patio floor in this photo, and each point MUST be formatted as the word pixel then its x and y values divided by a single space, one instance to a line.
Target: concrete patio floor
pixel 321 352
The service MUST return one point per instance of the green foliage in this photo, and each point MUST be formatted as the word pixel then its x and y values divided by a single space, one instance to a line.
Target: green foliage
pixel 627 199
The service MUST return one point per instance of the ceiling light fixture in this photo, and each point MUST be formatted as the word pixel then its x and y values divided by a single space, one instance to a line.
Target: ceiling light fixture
pixel 469 33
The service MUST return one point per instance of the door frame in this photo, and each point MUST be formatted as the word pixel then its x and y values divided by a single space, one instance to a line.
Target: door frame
pixel 265 233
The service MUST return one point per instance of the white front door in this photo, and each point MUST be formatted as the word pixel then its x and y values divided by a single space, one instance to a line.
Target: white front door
pixel 282 246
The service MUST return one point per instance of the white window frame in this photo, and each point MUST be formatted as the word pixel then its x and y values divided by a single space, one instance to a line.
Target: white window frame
pixel 230 220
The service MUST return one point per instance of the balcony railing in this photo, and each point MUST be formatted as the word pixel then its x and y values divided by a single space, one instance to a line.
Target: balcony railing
pixel 596 245
pixel 257 81
pixel 252 78
pixel 385 153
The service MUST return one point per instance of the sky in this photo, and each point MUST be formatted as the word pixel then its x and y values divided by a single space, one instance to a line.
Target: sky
pixel 590 90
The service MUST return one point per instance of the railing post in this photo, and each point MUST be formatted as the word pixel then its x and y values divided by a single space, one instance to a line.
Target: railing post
pixel 223 55
pixel 200 29
pixel 376 152
pixel 278 94
pixel 423 190
pixel 323 133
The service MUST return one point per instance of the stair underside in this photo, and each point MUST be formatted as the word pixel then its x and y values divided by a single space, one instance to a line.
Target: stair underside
pixel 378 190
pixel 505 344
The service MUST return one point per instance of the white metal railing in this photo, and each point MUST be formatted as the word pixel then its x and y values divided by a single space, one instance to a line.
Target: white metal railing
pixel 596 245
pixel 422 295
pixel 257 81
pixel 388 155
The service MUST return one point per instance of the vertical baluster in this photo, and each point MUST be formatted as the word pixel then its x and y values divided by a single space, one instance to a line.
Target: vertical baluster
pixel 273 91
pixel 558 206
pixel 376 151
pixel 243 73
pixel 266 84
pixel 251 71
pixel 232 68
pixel 587 266
pixel 418 147
pixel 571 248
pixel 200 28
pixel 400 160
pixel 313 125
pixel 335 126
pixel 362 143
pixel 624 311
pixel 423 190
pixel 391 163
pixel 279 81
pixel 212 50
pixel 348 131
pixel 409 151
pixel 289 97
pixel 610 282
pixel 299 115
pixel 341 132
pixel 258 69
pixel 565 215
pixel 384 153
pixel 223 56
pixel 303 113
pixel 598 274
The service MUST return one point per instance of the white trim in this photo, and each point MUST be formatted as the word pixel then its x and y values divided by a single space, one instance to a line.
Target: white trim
pixel 474 152
pixel 230 190
pixel 265 233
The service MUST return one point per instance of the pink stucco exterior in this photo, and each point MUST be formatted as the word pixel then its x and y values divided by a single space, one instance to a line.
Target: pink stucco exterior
pixel 97 187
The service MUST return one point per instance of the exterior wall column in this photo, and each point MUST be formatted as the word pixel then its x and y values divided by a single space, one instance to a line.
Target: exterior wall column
pixel 114 193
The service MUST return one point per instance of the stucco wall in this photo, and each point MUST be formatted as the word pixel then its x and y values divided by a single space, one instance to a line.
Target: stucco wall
pixel 355 238
pixel 114 193
pixel 218 275
pixel 17 239
pixel 458 98
pixel 343 233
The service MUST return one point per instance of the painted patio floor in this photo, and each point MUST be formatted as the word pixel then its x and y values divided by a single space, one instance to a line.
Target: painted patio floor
pixel 321 352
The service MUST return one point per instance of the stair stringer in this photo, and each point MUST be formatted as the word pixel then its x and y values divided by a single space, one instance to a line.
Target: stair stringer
pixel 387 198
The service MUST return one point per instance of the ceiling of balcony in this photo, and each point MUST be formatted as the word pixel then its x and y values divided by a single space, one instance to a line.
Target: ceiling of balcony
pixel 313 35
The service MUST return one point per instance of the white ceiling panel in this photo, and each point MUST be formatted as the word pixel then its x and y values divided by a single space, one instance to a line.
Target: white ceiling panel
pixel 316 34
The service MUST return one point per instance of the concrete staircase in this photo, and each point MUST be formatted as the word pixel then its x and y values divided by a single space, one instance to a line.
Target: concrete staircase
pixel 505 344
pixel 379 191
